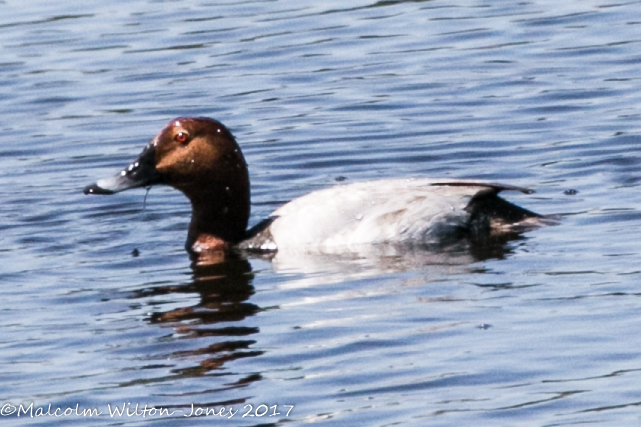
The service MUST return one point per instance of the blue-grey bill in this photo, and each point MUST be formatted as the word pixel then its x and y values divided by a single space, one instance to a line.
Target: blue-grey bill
pixel 141 173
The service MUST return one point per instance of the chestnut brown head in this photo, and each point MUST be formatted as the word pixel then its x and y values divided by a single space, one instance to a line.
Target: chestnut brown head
pixel 200 157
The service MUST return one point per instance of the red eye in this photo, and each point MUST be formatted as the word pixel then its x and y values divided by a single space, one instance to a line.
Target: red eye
pixel 181 137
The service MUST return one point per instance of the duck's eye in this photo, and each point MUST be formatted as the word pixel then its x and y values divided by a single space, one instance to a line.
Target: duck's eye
pixel 182 137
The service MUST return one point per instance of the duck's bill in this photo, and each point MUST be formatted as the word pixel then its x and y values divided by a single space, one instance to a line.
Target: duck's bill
pixel 115 184
pixel 141 173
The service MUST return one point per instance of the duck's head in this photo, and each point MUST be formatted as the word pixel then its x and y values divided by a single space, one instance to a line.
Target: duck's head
pixel 200 157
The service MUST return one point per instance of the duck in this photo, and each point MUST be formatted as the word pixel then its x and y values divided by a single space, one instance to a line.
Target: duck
pixel 200 157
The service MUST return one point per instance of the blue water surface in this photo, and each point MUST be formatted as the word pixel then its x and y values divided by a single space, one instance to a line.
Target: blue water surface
pixel 541 331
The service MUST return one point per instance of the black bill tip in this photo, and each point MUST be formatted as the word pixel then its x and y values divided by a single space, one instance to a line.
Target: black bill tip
pixel 95 189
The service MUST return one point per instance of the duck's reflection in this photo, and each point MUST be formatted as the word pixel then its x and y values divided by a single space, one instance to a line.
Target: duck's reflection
pixel 225 287
pixel 224 290
pixel 372 260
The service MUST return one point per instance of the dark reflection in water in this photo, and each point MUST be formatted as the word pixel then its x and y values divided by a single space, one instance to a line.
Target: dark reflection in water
pixel 496 247
pixel 224 290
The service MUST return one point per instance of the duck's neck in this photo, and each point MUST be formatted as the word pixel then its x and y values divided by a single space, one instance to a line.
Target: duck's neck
pixel 219 216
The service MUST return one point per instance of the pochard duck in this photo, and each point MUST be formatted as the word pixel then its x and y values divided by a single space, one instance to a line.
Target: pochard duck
pixel 200 157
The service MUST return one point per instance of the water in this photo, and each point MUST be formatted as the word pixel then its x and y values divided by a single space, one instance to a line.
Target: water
pixel 540 94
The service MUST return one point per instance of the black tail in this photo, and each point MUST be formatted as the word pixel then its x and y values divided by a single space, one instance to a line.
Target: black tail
pixel 492 215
